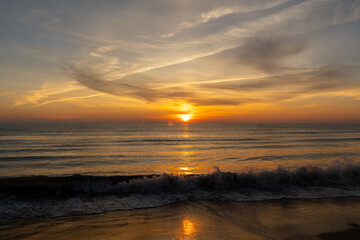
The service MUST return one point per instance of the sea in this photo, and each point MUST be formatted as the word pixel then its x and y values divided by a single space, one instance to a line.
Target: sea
pixel 52 170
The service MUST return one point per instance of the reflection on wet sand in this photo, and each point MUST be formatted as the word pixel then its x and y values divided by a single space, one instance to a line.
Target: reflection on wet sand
pixel 189 230
pixel 284 219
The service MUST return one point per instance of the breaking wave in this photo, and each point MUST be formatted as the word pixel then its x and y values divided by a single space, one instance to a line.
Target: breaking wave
pixel 41 196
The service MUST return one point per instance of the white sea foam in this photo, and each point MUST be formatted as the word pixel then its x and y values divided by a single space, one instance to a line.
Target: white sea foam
pixel 52 197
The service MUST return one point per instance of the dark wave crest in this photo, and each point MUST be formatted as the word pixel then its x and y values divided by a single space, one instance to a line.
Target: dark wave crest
pixel 77 194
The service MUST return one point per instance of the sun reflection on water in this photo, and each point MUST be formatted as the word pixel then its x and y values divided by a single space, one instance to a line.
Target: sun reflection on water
pixel 185 167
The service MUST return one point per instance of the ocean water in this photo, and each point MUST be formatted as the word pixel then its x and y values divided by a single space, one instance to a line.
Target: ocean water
pixel 68 169
pixel 137 149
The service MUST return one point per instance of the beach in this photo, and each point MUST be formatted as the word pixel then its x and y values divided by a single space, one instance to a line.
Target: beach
pixel 180 120
pixel 327 218
pixel 191 181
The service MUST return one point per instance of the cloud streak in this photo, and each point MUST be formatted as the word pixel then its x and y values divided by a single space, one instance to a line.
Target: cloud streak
pixel 266 54
pixel 323 80
pixel 148 94
pixel 222 55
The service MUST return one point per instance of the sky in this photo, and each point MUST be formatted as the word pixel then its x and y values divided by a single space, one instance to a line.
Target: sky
pixel 180 60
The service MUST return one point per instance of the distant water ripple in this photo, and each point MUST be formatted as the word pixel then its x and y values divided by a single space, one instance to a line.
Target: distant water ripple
pixel 130 149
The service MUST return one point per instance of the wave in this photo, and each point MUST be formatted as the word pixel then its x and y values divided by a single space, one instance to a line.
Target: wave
pixel 41 196
pixel 61 157
pixel 304 156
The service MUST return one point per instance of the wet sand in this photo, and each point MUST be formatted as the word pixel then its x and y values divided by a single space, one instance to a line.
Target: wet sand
pixel 328 219
pixel 351 234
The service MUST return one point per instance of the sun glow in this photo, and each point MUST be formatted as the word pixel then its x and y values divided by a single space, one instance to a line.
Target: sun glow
pixel 185 117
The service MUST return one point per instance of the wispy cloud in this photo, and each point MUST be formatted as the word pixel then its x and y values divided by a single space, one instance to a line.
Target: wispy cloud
pixel 221 11
pixel 266 54
pixel 280 87
pixel 226 54
pixel 144 92
pixel 323 80
pixel 49 92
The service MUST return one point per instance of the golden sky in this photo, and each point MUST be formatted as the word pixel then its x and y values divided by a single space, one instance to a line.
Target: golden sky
pixel 180 60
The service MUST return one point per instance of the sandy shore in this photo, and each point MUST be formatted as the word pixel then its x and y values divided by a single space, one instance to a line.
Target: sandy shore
pixel 326 219
pixel 351 234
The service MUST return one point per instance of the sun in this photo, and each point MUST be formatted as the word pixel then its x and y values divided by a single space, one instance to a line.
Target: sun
pixel 185 117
